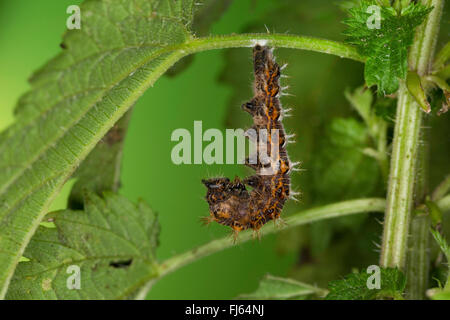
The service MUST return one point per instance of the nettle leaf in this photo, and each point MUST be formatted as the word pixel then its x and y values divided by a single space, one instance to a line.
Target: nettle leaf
pixel 355 286
pixel 442 294
pixel 442 243
pixel 282 288
pixel 208 12
pixel 384 108
pixel 100 171
pixel 112 242
pixel 362 101
pixel 341 159
pixel 122 48
pixel 385 45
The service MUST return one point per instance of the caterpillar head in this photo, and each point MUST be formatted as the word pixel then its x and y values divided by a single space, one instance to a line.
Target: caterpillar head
pixel 217 189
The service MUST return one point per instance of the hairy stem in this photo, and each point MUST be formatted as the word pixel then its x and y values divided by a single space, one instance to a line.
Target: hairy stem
pixel 418 260
pixel 401 181
pixel 335 210
pixel 325 212
pixel 405 146
pixel 276 40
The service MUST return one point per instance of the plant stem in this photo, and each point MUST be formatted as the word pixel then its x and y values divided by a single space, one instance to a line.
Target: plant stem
pixel 276 40
pixel 444 203
pixel 401 181
pixel 335 210
pixel 417 257
pixel 325 212
pixel 405 146
pixel 442 189
pixel 418 260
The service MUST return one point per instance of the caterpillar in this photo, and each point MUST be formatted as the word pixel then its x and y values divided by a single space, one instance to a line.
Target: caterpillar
pixel 230 203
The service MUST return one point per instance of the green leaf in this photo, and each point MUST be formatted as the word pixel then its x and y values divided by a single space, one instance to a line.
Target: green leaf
pixel 112 241
pixel 442 294
pixel 434 212
pixel 121 50
pixel 354 286
pixel 361 101
pixel 442 57
pixel 100 171
pixel 445 72
pixel 342 155
pixel 385 108
pixel 445 87
pixel 341 159
pixel 272 287
pixel 385 45
pixel 442 243
pixel 415 88
pixel 208 12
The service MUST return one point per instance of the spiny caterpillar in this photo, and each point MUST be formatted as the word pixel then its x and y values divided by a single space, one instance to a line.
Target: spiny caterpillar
pixel 230 203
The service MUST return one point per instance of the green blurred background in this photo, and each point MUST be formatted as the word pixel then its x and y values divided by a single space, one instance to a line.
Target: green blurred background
pixel 211 89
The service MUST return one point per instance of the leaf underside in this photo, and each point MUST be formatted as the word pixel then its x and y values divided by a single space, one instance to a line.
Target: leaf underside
pixel 112 242
pixel 121 49
pixel 100 171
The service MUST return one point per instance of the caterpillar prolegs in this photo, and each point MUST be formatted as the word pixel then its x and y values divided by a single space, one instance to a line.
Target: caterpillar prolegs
pixel 230 203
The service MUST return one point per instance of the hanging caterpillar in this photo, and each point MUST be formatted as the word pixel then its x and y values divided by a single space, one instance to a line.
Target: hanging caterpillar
pixel 230 203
